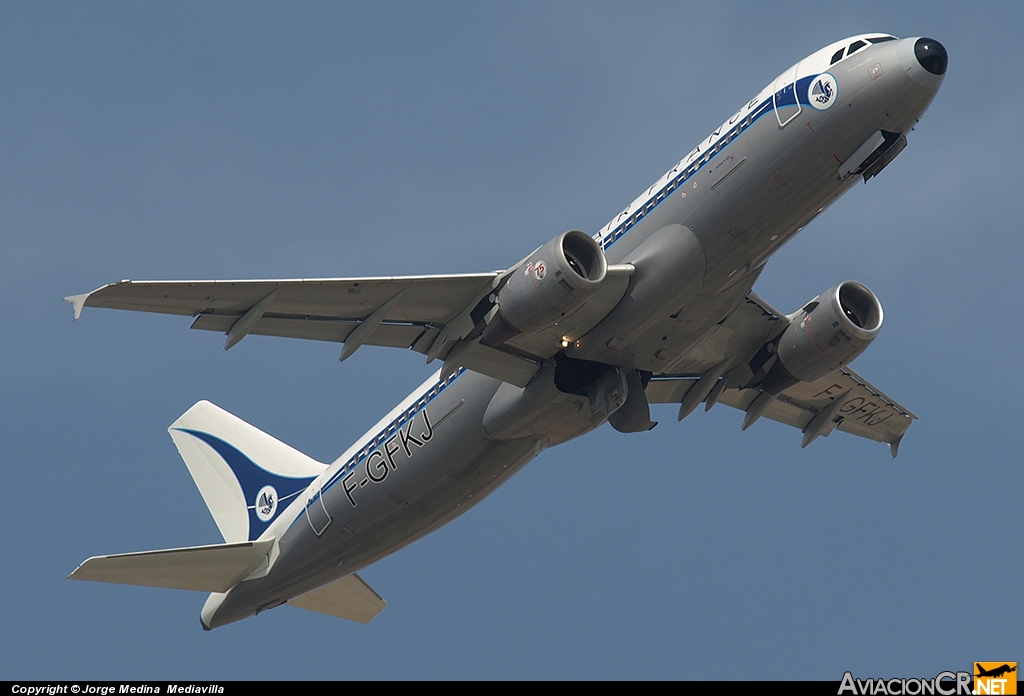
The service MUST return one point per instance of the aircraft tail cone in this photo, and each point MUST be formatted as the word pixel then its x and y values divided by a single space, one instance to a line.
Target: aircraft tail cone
pixel 213 603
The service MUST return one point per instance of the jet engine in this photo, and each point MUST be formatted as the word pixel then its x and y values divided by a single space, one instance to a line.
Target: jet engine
pixel 830 331
pixel 554 281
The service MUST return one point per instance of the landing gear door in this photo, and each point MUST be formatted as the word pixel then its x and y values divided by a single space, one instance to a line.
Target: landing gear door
pixel 784 96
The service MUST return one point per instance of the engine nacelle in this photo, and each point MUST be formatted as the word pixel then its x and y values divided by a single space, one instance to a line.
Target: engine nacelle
pixel 830 331
pixel 553 282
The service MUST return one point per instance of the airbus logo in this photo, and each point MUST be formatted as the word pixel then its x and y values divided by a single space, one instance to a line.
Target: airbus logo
pixel 266 503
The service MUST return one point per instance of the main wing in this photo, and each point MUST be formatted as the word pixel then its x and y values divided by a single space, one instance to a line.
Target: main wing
pixel 731 355
pixel 843 400
pixel 324 309
pixel 437 315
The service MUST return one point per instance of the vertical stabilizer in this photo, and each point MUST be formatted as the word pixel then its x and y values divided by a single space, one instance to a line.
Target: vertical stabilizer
pixel 246 476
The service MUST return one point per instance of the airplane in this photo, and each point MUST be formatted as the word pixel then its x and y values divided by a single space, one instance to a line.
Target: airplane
pixel 657 307
pixel 994 672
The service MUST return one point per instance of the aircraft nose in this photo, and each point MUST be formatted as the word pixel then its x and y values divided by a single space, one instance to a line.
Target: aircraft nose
pixel 931 55
pixel 924 60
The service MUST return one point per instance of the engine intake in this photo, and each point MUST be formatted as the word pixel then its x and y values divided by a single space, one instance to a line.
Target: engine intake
pixel 829 332
pixel 554 281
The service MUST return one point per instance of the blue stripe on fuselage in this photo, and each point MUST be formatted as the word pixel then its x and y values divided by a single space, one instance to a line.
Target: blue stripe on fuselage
pixel 383 434
pixel 784 97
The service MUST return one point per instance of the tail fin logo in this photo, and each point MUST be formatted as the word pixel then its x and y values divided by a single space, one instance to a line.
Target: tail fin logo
pixel 266 503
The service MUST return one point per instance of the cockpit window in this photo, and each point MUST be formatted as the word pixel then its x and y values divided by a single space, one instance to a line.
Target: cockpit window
pixel 837 56
pixel 855 46
pixel 881 39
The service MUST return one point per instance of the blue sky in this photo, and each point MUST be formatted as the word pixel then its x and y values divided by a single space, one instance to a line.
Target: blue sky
pixel 217 140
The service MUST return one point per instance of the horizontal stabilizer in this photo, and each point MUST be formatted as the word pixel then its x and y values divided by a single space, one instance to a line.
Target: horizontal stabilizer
pixel 349 598
pixel 214 568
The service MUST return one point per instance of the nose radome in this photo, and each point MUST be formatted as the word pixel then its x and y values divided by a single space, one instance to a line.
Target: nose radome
pixel 931 55
pixel 923 60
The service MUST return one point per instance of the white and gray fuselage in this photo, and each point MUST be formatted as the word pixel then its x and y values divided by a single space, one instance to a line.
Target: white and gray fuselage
pixel 698 238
